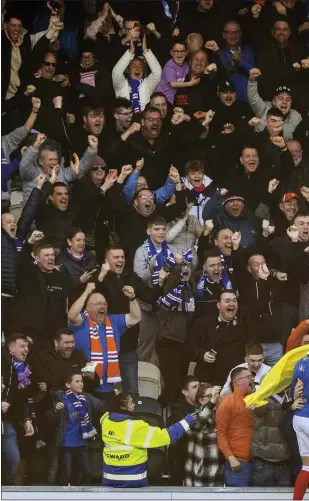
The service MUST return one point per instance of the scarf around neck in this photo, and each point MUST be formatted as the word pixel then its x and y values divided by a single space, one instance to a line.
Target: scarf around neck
pixel 181 297
pixel 96 351
pixel 23 373
pixel 80 404
pixel 134 86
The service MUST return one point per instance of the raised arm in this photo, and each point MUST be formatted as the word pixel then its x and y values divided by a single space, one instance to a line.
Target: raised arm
pixel 256 102
pixel 118 77
pixel 74 314
pixel 134 317
pixel 164 193
pixel 28 168
pixel 80 167
pixel 156 71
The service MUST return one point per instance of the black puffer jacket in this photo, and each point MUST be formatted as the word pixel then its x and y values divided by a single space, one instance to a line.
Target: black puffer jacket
pixel 268 443
pixel 9 253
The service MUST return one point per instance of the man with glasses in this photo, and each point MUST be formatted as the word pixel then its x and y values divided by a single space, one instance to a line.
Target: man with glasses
pixel 235 430
pixel 131 220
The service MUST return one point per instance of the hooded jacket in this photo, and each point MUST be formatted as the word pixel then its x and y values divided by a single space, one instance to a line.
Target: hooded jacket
pixel 247 224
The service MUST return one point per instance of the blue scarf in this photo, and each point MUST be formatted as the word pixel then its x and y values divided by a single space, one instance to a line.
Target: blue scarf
pixel 163 259
pixel 181 298
pixel 202 283
pixel 167 11
pixel 134 94
pixel 138 49
pixel 23 373
pixel 80 404
pixel 18 244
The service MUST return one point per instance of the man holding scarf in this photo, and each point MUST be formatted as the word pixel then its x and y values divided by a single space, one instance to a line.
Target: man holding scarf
pixel 97 335
pixel 164 324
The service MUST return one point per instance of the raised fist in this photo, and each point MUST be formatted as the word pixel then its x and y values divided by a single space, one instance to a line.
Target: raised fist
pixel 36 104
pixel 254 74
pixel 236 238
pixel 36 236
pixel 30 90
pixel 211 45
pixel 40 139
pixel 293 233
pixel 93 142
pixel 128 291
pixel 254 122
pixel 273 185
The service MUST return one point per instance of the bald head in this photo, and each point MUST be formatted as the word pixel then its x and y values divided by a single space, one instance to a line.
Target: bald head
pixel 96 306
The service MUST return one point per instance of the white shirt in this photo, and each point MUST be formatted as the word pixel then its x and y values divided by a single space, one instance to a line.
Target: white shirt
pixel 257 379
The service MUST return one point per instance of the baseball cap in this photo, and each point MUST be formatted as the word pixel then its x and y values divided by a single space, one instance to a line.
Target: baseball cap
pixel 226 85
pixel 289 196
pixel 282 88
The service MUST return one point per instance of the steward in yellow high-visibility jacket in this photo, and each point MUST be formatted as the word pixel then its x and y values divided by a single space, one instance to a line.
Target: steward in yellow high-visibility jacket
pixel 126 441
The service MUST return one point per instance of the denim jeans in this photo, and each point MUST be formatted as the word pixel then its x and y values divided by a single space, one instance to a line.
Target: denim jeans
pixel 272 353
pixel 265 474
pixel 129 372
pixel 10 450
pixel 80 457
pixel 240 478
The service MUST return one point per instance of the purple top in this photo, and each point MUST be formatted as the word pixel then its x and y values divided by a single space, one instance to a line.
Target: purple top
pixel 172 72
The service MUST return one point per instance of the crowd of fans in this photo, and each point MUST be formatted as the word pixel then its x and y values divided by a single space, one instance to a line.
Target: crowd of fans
pixel 162 152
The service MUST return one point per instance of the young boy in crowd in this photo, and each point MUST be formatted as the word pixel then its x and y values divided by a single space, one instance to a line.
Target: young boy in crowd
pixel 199 187
pixel 175 71
pixel 75 427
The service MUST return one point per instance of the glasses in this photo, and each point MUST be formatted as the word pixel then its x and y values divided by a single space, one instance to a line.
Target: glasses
pixel 88 57
pixel 153 120
pixel 145 197
pixel 291 204
pixel 48 64
pixel 98 167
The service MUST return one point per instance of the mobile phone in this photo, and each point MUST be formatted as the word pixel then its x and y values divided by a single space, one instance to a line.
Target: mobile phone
pixel 213 352
pixel 112 172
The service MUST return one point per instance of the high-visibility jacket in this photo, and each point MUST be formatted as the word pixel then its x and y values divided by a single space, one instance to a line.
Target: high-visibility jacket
pixel 125 447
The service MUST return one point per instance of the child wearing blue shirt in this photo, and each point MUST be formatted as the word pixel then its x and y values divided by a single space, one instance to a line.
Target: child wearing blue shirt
pixel 75 428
